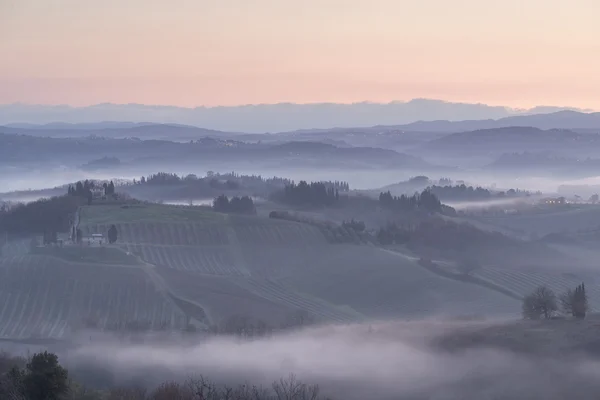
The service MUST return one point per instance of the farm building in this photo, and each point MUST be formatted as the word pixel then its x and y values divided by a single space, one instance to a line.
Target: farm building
pixel 555 201
pixel 96 239
pixel 97 192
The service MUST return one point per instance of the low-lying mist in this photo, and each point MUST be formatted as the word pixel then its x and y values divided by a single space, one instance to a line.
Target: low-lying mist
pixel 390 360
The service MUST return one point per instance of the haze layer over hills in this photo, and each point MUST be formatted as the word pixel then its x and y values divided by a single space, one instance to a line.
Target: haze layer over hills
pixel 268 117
pixel 190 239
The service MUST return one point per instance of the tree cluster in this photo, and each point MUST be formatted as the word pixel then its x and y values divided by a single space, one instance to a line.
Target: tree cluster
pixel 112 234
pixel 575 302
pixel 162 178
pixel 460 241
pixel 84 189
pixel 425 200
pixel 227 185
pixel 45 215
pixel 237 205
pixel 341 186
pixel 393 234
pixel 309 194
pixel 543 303
pixel 41 377
pixel 109 188
pixel 358 226
pixel 469 193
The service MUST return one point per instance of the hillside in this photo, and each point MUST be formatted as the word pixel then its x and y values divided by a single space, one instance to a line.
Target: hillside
pixel 550 220
pixel 18 149
pixel 176 265
pixel 514 139
pixel 287 263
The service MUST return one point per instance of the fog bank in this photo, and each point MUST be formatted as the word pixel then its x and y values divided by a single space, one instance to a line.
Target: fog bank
pixel 380 361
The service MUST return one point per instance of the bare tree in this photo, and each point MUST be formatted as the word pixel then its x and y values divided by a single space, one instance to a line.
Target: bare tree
pixel 540 303
pixel 293 389
pixel 127 394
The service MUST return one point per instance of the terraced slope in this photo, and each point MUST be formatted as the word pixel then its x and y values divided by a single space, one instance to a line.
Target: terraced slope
pixel 46 297
pixel 265 268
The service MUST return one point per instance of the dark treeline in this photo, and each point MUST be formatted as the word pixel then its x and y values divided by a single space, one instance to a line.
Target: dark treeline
pixel 230 180
pixel 470 193
pixel 42 377
pixel 358 226
pixel 445 236
pixel 425 200
pixel 308 194
pixel 237 205
pixel 42 216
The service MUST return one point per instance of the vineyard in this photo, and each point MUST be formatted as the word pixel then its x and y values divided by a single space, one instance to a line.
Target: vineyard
pixel 380 284
pixel 212 267
pixel 223 297
pixel 235 246
pixel 44 297
pixel 265 267
pixel 254 232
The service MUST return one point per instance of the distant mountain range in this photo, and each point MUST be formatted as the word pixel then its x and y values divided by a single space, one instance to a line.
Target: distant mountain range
pixel 557 120
pixel 261 118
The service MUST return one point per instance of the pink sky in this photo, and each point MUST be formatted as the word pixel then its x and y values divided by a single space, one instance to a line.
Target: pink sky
pixel 518 53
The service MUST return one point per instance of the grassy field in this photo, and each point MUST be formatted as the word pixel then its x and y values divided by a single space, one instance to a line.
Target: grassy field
pixel 384 285
pixel 113 214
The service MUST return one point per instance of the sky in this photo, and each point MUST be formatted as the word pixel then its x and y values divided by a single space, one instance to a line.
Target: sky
pixel 518 53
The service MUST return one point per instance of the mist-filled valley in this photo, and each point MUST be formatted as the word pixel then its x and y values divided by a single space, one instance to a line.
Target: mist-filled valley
pixel 425 261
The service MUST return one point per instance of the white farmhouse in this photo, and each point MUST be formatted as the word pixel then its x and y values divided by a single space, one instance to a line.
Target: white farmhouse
pixel 97 192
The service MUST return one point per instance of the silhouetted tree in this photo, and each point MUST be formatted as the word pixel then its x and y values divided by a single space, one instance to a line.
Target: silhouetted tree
pixel 162 178
pixel 575 302
pixel 358 226
pixel 44 378
pixel 36 217
pixel 111 188
pixel 425 201
pixel 540 303
pixel 239 205
pixel 112 234
pixel 314 194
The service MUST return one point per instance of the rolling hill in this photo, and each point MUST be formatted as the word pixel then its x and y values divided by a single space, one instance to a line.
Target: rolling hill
pixel 192 265
pixel 514 139
pixel 286 262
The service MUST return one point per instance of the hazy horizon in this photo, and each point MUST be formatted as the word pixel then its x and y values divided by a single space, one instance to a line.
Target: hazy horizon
pixel 213 53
